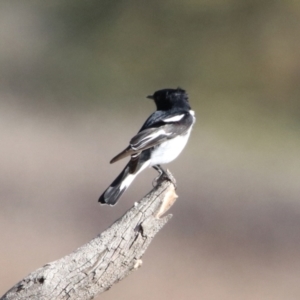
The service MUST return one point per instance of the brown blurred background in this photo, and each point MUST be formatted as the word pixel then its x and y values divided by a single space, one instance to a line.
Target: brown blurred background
pixel 73 80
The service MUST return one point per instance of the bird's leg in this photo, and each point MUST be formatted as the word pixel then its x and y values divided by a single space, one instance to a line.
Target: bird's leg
pixel 163 173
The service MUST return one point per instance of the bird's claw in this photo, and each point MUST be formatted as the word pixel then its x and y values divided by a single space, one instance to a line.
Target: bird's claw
pixel 163 175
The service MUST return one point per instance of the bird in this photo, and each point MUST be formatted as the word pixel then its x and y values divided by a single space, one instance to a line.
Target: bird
pixel 159 141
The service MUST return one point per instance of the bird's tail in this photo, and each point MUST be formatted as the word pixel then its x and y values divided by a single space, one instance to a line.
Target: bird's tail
pixel 118 187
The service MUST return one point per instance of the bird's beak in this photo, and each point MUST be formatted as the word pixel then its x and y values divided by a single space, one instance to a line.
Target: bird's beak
pixel 150 97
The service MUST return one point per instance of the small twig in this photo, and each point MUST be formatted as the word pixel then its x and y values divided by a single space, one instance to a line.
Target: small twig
pixel 105 260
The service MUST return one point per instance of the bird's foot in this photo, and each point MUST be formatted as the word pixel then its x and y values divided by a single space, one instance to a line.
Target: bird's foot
pixel 163 175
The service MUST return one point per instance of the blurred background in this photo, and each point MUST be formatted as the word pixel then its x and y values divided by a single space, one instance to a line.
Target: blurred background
pixel 73 80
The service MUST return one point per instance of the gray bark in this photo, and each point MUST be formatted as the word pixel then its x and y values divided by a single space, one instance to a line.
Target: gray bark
pixel 105 260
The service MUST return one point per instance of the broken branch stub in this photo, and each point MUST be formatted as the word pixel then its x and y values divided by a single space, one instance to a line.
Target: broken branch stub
pixel 105 260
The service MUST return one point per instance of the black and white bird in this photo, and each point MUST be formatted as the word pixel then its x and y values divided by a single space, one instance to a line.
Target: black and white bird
pixel 160 140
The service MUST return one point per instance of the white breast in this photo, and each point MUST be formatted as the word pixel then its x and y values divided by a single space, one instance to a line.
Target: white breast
pixel 169 150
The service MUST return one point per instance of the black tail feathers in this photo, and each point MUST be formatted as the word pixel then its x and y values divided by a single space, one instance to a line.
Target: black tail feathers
pixel 117 188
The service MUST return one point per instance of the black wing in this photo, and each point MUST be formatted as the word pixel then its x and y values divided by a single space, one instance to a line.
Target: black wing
pixel 157 129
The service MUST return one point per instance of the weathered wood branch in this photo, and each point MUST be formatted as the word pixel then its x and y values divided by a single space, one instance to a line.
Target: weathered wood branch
pixel 105 260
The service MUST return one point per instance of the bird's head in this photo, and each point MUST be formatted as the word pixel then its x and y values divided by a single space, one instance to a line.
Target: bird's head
pixel 169 98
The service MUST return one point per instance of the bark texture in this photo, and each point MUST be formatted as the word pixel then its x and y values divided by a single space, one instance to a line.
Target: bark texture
pixel 105 260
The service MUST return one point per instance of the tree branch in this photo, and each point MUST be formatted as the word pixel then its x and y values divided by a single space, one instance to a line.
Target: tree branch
pixel 105 260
